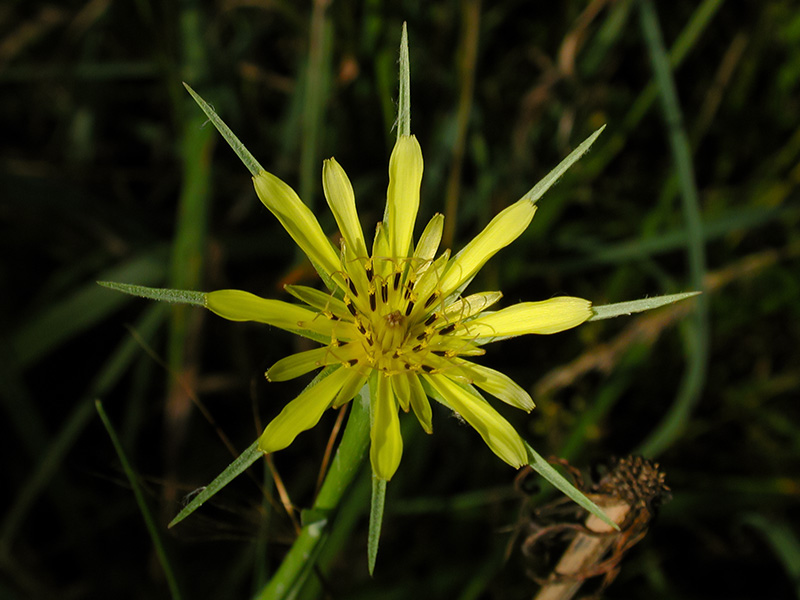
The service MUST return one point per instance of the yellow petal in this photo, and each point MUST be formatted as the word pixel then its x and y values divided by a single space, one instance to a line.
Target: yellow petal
pixel 386 447
pixel 498 433
pixel 548 316
pixel 429 242
pixel 420 404
pixel 402 198
pixel 402 390
pixel 320 300
pixel 350 388
pixel 298 220
pixel 298 364
pixel 303 412
pixel 499 385
pixel 464 308
pixel 499 233
pixel 236 305
pixel 342 201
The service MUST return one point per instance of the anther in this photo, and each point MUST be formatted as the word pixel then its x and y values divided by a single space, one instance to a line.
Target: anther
pixel 352 287
pixel 352 362
pixel 373 304
pixel 429 321
pixel 361 328
pixel 410 307
pixel 422 336
pixel 370 271
pixel 448 329
pixel 432 299
pixel 385 293
pixel 417 348
pixel 350 306
pixel 428 369
pixel 396 282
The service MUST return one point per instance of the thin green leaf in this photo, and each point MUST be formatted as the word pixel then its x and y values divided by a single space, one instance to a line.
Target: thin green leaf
pixel 245 459
pixel 160 294
pixel 375 520
pixel 546 470
pixel 146 514
pixel 553 176
pixel 243 153
pixel 608 311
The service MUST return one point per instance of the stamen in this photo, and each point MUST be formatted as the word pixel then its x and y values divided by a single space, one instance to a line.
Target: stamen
pixel 370 271
pixel 422 336
pixel 428 369
pixel 352 362
pixel 417 348
pixel 349 304
pixel 410 307
pixel 429 321
pixel 352 287
pixel 385 293
pixel 432 298
pixel 396 282
pixel 448 329
pixel 373 304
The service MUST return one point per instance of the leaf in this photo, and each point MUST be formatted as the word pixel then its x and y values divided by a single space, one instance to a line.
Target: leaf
pixel 558 481
pixel 245 459
pixel 149 521
pixel 607 311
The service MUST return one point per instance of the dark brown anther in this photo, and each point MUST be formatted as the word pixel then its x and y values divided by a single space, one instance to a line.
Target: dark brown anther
pixel 395 354
pixel 417 348
pixel 370 271
pixel 361 328
pixel 441 353
pixel 410 307
pixel 422 336
pixel 407 292
pixel 368 337
pixel 448 329
pixel 352 362
pixel 428 369
pixel 431 299
pixel 352 287
pixel 396 282
pixel 429 321
pixel 349 304
pixel 385 293
pixel 373 303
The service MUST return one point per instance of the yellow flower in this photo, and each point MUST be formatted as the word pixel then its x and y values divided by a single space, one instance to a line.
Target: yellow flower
pixel 397 313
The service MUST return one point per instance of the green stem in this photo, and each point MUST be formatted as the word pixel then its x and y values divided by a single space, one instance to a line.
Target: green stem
pixel 296 566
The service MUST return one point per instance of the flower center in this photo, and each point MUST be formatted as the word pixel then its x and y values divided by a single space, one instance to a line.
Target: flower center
pixel 397 329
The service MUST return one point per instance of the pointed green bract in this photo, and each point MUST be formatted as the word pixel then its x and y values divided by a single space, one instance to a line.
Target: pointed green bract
pixel 557 480
pixel 243 153
pixel 608 311
pixel 553 176
pixel 238 466
pixel 160 294
pixel 375 520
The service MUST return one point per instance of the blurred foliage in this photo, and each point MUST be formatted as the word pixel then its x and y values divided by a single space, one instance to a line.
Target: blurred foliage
pixel 108 172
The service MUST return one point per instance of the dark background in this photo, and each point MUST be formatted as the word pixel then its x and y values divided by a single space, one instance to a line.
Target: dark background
pixel 108 171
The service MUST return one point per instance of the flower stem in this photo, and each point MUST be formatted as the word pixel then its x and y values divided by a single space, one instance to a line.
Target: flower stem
pixel 296 566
